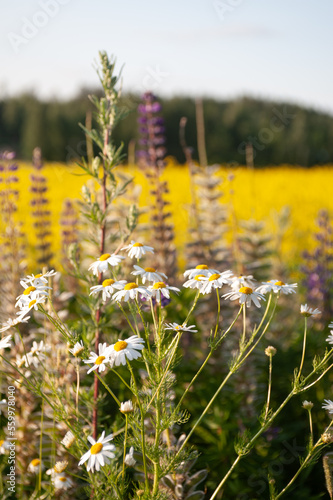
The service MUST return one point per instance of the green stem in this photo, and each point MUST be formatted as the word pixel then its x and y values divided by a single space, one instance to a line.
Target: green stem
pixel 218 311
pixel 125 444
pixel 107 388
pixel 143 442
pixel 303 351
pixel 244 326
pixel 269 385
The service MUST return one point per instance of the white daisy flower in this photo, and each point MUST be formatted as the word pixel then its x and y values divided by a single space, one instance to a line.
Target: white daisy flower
pixel 38 279
pixel 277 286
pixel 200 269
pixel 131 291
pixel 137 250
pixel 108 287
pixel 126 407
pixel 195 283
pixel 62 482
pixel 216 280
pixel 238 281
pixel 180 328
pixel 77 349
pixel 5 342
pixel 330 338
pixel 27 306
pixel 68 439
pixel 126 349
pixel 148 274
pixel 129 459
pixel 13 322
pixel 160 288
pixel 22 360
pixel 4 446
pixel 99 454
pixel 307 311
pixel 246 295
pixel 99 360
pixel 328 406
pixel 3 403
pixel 330 325
pixel 102 263
pixel 31 293
pixel 35 465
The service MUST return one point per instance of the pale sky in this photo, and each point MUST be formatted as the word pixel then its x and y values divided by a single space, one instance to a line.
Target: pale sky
pixel 272 49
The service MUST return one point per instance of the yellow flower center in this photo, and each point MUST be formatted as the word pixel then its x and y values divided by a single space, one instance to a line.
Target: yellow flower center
pixel 38 276
pixel 246 289
pixel 35 462
pixel 130 286
pixel 198 276
pixel 99 360
pixel 279 283
pixel 159 285
pixel 105 256
pixel 150 270
pixel 120 345
pixel 214 277
pixel 202 266
pixel 32 303
pixel 96 448
pixel 29 290
pixel 108 282
pixel 63 478
pixel 1 442
pixel 138 245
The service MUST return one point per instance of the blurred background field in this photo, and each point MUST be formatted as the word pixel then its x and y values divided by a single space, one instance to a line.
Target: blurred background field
pixel 260 194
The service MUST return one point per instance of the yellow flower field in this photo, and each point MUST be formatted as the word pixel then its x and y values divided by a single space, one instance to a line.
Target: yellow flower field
pixel 257 194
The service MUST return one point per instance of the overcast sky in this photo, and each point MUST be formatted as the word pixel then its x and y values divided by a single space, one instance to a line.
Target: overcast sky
pixel 274 49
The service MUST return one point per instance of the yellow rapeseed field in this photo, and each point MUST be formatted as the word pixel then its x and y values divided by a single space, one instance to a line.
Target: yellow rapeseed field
pixel 258 194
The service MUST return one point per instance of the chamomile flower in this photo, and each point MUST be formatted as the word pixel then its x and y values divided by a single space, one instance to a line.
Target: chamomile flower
pixel 215 280
pixel 126 407
pixel 99 360
pixel 148 274
pixel 35 465
pixel 77 349
pixel 180 328
pixel 31 293
pixel 330 338
pixel 68 439
pixel 27 306
pixel 99 454
pixel 137 250
pixel 38 279
pixel 126 349
pixel 108 287
pixel 238 281
pixel 5 342
pixel 4 446
pixel 62 482
pixel 246 295
pixel 129 459
pixel 102 263
pixel 195 283
pixel 10 323
pixel 328 406
pixel 200 269
pixel 307 311
pixel 277 286
pixel 161 289
pixel 131 291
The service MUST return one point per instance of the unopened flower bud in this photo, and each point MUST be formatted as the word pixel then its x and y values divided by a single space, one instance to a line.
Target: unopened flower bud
pixel 270 351
pixel 327 437
pixel 126 407
pixel 307 405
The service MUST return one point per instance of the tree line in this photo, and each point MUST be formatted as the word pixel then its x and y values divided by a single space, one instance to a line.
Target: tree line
pixel 273 133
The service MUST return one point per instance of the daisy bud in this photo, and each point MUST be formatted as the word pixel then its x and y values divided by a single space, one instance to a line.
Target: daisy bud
pixel 129 459
pixel 270 351
pixel 60 466
pixel 327 437
pixel 126 407
pixel 307 405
